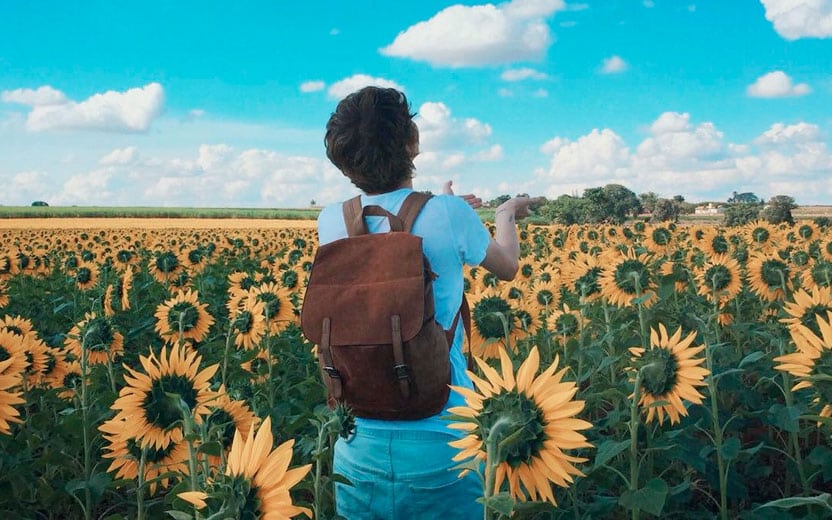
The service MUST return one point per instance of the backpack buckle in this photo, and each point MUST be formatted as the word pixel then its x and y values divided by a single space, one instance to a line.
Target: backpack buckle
pixel 332 372
pixel 401 371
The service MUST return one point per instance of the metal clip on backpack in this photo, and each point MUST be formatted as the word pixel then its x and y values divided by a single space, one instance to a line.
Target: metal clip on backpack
pixel 369 307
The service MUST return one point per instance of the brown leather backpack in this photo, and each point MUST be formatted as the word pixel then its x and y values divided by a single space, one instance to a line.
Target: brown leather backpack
pixel 369 307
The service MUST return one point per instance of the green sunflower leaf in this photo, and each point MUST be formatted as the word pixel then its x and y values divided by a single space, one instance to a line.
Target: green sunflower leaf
pixel 607 451
pixel 650 498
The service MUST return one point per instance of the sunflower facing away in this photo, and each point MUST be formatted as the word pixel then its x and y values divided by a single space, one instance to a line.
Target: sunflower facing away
pixel 768 276
pixel 248 321
pixel 811 364
pixel 152 414
pixel 719 280
pixel 541 410
pixel 670 374
pixel 261 474
pixel 97 335
pixel 184 308
pixel 628 277
pixel 228 416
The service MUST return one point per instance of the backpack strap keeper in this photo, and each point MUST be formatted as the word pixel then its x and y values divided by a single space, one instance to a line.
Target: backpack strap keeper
pixel 334 381
pixel 400 368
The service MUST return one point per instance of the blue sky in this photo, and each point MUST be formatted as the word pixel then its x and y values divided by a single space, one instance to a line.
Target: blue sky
pixel 224 104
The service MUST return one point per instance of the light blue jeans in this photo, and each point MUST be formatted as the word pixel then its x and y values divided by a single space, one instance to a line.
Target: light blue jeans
pixel 403 475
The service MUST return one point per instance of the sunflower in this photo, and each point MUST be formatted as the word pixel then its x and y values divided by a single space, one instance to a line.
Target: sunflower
pixel 719 279
pixel 154 416
pixel 492 319
pixel 807 231
pixel 277 306
pixel 659 240
pixel 258 366
pixel 183 312
pixel 13 349
pixel 86 275
pixel 768 276
pixel 165 266
pixel 249 322
pixel 811 364
pixel 19 326
pixel 4 293
pixel 70 382
pixel 542 297
pixel 581 276
pixel 670 373
pixel 807 307
pixel 540 410
pixel 761 235
pixel 678 271
pixel 125 450
pixel 55 368
pixel 629 276
pixel 9 380
pixel 240 281
pixel 565 322
pixel 97 335
pixel 262 473
pixel 817 274
pixel 227 416
pixel 712 241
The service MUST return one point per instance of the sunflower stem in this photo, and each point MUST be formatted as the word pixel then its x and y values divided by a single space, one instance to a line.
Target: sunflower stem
pixel 226 352
pixel 140 486
pixel 721 469
pixel 634 423
pixel 492 458
pixel 188 431
pixel 793 438
pixel 323 432
pixel 85 432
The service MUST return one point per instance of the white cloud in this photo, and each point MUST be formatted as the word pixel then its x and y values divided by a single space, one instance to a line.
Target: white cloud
pixel 694 160
pixel 26 187
pixel 540 93
pixel 130 111
pixel 312 86
pixel 347 86
pixel 479 35
pixel 119 156
pixel 522 74
pixel 613 65
pixel 777 84
pixel 794 19
pixel 196 113
pixel 86 189
pixel 494 153
pixel 44 95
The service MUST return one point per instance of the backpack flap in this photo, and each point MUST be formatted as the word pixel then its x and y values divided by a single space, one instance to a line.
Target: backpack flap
pixel 360 282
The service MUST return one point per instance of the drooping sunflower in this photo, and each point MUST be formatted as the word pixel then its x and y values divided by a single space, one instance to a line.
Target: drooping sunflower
pixel 123 447
pixel 719 280
pixel 541 412
pixel 629 276
pixel 9 381
pixel 69 386
pixel 768 276
pixel 264 472
pixel 154 416
pixel 807 307
pixel 18 325
pixel 811 364
pixel 52 375
pixel 670 374
pixel 228 416
pixel 98 336
pixel 185 311
pixel 249 322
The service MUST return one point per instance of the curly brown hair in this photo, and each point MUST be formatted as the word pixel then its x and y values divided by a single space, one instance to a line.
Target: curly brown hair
pixel 372 139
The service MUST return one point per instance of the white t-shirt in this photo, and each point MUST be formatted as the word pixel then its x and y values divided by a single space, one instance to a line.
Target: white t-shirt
pixel 452 235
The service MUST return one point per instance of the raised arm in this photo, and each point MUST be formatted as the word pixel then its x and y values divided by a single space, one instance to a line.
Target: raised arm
pixel 503 253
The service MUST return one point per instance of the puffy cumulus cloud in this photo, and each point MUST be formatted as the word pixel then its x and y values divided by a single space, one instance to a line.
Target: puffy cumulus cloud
pixel 345 87
pixel 22 188
pixel 479 35
pixel 41 96
pixel 130 111
pixel 777 84
pixel 522 74
pixel 613 65
pixel 794 19
pixel 446 142
pixel 694 160
pixel 86 189
pixel 312 86
pixel 119 156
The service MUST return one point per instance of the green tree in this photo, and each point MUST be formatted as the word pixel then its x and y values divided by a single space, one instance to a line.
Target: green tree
pixel 613 203
pixel 499 200
pixel 566 210
pixel 739 213
pixel 667 210
pixel 648 200
pixel 779 209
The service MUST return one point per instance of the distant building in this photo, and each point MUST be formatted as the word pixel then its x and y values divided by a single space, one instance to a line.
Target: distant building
pixel 709 209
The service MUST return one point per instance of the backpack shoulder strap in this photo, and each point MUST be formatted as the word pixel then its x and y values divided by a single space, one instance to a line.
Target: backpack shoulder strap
pixel 411 207
pixel 354 217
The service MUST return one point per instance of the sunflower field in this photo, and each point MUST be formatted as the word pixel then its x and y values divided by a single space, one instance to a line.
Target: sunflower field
pixel 635 371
